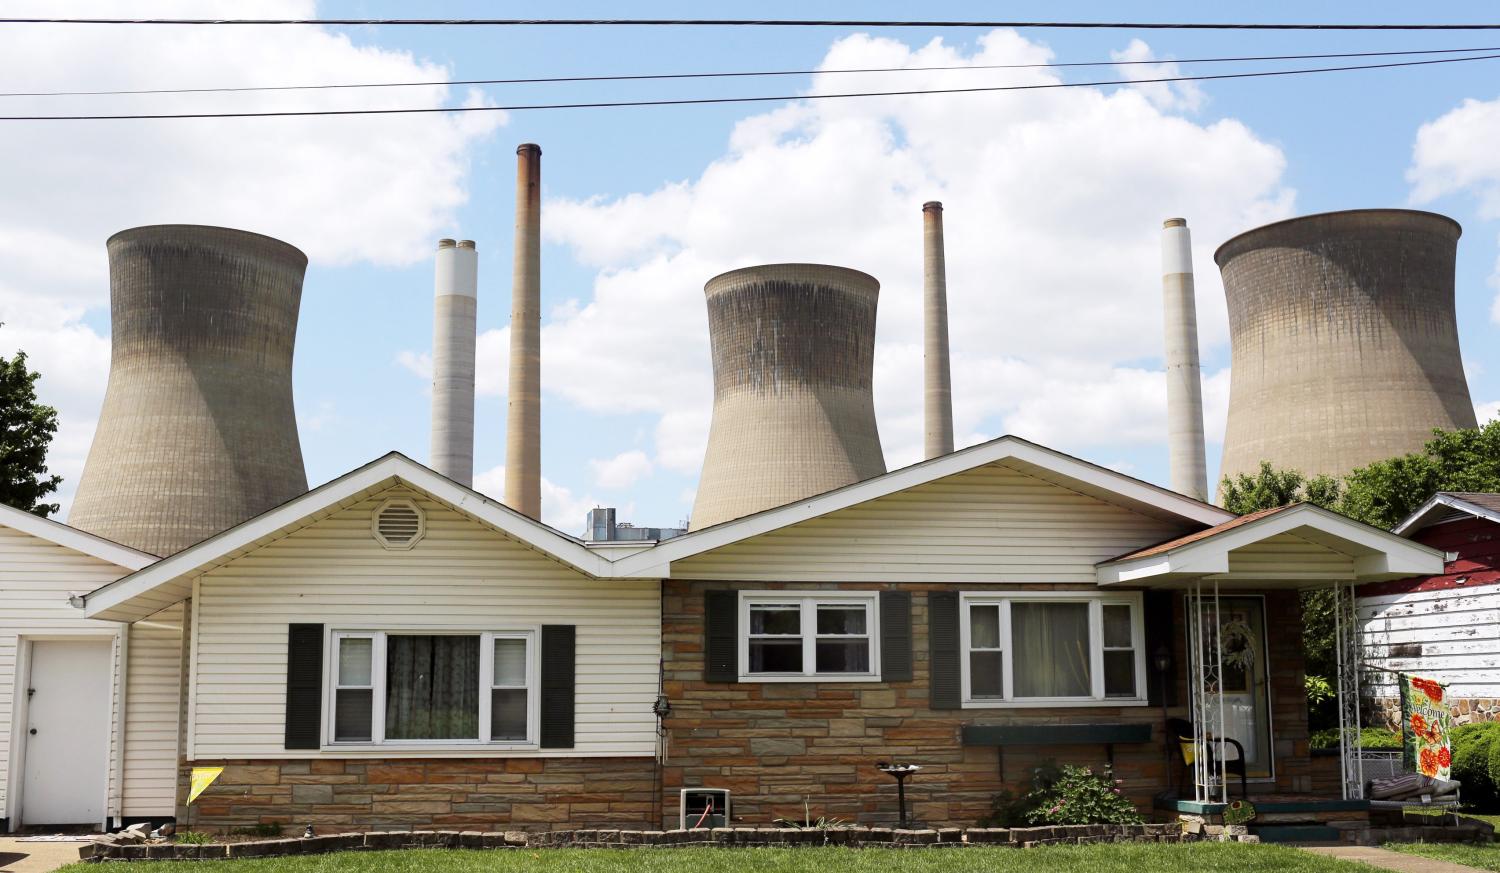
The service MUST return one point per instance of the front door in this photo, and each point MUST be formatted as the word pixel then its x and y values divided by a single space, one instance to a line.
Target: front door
pixel 67 733
pixel 1241 635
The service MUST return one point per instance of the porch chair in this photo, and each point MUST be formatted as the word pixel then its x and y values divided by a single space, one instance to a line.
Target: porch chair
pixel 1181 730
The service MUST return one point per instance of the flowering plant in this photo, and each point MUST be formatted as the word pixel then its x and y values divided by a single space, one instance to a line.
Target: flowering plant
pixel 1079 795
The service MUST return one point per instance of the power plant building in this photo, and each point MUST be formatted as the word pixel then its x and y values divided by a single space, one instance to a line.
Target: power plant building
pixel 1343 338
pixel 198 431
pixel 793 355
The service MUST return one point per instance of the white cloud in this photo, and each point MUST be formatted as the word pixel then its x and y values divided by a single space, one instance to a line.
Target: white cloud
pixel 621 471
pixel 1487 412
pixel 1054 201
pixel 344 190
pixel 1164 95
pixel 560 508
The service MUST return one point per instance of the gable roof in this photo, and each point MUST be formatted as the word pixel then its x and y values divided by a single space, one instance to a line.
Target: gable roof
pixel 1169 545
pixel 1445 504
pixel 169 580
pixel 1043 463
pixel 72 538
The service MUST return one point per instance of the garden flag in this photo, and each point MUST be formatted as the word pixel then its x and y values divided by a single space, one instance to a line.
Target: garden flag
pixel 202 778
pixel 1424 727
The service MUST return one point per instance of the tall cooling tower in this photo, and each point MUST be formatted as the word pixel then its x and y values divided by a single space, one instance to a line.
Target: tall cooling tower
pixel 793 354
pixel 1344 341
pixel 198 432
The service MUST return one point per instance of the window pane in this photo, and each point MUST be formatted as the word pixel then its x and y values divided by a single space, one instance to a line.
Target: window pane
pixel 1119 673
pixel 508 714
pixel 984 627
pixel 841 619
pixel 1050 644
pixel 432 687
pixel 775 619
pixel 1117 626
pixel 984 675
pixel 354 661
pixel 843 656
pixel 775 656
pixel 351 715
pixel 510 662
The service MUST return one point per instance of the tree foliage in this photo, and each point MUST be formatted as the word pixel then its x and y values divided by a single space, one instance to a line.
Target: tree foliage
pixel 1270 488
pixel 26 430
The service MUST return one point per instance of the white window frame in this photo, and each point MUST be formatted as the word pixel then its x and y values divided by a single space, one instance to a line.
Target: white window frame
pixel 483 742
pixel 1096 602
pixel 809 601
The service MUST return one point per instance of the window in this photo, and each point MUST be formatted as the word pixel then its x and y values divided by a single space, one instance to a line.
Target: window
pixel 1051 647
pixel 789 636
pixel 448 688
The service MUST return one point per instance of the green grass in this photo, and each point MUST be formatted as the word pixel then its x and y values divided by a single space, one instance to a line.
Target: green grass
pixel 1483 857
pixel 1115 858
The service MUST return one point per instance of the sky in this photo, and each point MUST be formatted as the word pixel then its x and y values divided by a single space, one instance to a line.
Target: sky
pixel 1053 207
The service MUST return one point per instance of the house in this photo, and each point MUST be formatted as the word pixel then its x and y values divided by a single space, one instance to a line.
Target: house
pixel 392 649
pixel 1443 625
pixel 83 739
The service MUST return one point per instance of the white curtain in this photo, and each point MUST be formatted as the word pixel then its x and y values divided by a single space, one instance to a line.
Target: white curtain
pixel 1051 644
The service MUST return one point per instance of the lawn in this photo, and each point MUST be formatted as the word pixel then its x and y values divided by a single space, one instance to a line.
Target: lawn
pixel 1115 858
pixel 1483 857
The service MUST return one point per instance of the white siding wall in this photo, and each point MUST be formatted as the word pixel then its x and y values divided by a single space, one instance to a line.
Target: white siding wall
pixel 1458 630
pixel 151 714
pixel 36 579
pixel 993 524
pixel 462 575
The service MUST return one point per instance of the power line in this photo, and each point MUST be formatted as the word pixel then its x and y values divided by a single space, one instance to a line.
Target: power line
pixel 750 22
pixel 744 74
pixel 699 101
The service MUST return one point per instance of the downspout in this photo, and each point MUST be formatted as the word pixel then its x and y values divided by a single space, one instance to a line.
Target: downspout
pixel 121 686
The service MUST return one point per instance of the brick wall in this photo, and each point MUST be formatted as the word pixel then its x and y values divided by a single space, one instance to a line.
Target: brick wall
pixel 438 793
pixel 773 744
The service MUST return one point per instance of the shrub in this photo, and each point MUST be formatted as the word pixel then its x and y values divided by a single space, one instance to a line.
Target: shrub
pixel 1369 738
pixel 193 838
pixel 1009 809
pixel 1472 761
pixel 1080 796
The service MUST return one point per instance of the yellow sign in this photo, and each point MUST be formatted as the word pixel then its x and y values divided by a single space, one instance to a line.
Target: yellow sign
pixel 202 778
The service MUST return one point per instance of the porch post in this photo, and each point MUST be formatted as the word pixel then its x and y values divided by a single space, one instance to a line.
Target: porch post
pixel 1348 651
pixel 1206 658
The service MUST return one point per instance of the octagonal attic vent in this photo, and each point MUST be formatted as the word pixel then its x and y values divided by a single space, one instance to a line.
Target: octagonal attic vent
pixel 398 524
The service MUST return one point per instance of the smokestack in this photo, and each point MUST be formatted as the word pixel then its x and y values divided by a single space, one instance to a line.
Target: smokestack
pixel 523 432
pixel 1184 375
pixel 937 380
pixel 453 338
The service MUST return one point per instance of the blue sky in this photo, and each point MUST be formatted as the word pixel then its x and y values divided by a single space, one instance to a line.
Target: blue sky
pixel 639 203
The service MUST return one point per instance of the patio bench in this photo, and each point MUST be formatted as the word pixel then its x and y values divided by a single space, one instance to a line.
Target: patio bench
pixel 1094 734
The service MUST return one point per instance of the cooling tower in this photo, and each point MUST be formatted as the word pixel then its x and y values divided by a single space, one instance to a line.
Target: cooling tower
pixel 1187 454
pixel 1344 341
pixel 198 432
pixel 523 416
pixel 793 355
pixel 454 335
pixel 937 377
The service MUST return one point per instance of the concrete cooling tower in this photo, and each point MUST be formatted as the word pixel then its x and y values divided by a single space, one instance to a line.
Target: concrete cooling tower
pixel 793 355
pixel 198 432
pixel 1343 338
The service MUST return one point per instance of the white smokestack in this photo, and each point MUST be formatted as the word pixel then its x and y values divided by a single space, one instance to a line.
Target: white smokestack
pixel 1184 374
pixel 937 379
pixel 453 338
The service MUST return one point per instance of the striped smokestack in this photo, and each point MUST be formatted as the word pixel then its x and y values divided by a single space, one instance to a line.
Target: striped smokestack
pixel 453 337
pixel 523 432
pixel 937 380
pixel 1184 375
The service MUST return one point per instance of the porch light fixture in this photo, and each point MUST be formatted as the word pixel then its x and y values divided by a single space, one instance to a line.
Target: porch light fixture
pixel 1161 659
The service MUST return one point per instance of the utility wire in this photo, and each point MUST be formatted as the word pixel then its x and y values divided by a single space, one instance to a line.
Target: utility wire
pixel 699 101
pixel 751 22
pixel 745 74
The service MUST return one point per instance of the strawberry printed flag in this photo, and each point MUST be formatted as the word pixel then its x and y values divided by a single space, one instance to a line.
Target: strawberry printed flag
pixel 1424 727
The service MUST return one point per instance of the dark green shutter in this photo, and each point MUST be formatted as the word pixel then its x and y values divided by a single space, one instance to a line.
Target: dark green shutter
pixel 721 643
pixel 304 686
pixel 1158 618
pixel 945 683
pixel 895 636
pixel 558 679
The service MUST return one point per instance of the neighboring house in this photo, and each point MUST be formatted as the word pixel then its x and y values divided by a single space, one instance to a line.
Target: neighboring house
pixel 82 741
pixel 395 650
pixel 1446 625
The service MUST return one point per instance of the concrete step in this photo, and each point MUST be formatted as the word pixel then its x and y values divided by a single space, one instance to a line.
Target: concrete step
pixel 1303 833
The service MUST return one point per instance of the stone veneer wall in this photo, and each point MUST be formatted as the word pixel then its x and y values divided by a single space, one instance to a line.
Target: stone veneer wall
pixel 435 793
pixel 774 744
pixel 1465 710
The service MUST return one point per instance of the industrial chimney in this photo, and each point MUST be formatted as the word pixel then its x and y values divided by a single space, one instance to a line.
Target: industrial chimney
pixel 937 380
pixel 198 432
pixel 523 422
pixel 1344 340
pixel 453 338
pixel 793 355
pixel 1187 455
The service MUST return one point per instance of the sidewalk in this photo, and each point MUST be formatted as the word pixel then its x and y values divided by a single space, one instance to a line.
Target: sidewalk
pixel 1388 860
pixel 19 857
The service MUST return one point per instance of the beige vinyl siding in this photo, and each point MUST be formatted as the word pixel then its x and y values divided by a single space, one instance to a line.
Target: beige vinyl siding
pixel 1457 631
pixel 461 576
pixel 151 714
pixel 992 524
pixel 36 579
pixel 1287 554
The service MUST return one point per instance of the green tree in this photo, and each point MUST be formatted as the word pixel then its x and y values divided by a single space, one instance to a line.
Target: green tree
pixel 26 429
pixel 1386 492
pixel 1270 488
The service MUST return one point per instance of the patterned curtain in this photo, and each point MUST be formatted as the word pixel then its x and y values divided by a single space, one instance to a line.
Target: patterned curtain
pixel 432 687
